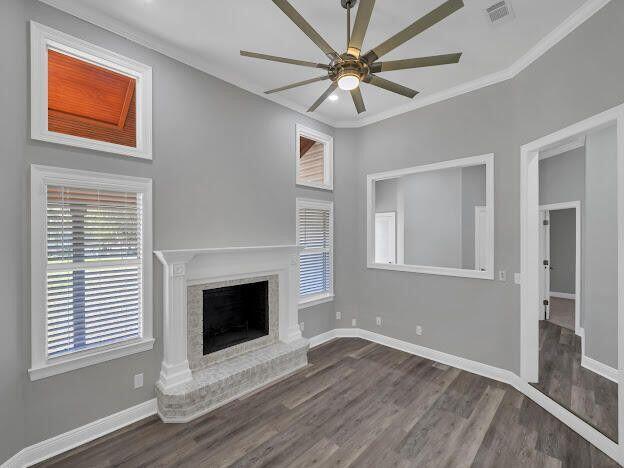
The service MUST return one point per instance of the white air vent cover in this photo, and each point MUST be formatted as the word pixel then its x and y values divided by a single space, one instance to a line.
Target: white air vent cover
pixel 500 12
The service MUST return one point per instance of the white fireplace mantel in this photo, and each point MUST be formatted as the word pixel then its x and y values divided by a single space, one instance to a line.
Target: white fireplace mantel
pixel 182 268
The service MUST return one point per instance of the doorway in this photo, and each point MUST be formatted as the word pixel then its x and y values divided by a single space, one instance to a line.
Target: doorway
pixel 560 273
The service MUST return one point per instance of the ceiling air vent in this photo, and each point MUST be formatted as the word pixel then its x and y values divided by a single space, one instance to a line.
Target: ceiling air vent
pixel 500 12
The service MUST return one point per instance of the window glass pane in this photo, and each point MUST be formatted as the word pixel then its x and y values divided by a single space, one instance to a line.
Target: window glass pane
pixel 89 306
pixel 315 273
pixel 311 161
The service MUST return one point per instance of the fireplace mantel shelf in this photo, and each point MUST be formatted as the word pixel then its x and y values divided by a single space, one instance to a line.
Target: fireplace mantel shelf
pixel 167 257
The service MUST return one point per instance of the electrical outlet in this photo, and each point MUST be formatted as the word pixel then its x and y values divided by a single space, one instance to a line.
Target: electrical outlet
pixel 502 275
pixel 338 315
pixel 354 322
pixel 301 326
pixel 517 278
pixel 378 320
pixel 138 380
pixel 419 330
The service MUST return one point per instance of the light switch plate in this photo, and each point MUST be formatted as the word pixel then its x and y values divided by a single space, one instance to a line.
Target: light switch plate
pixel 517 278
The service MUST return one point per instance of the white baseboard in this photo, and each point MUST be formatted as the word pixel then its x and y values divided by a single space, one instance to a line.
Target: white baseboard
pixel 599 368
pixel 79 436
pixel 61 443
pixel 562 295
pixel 585 430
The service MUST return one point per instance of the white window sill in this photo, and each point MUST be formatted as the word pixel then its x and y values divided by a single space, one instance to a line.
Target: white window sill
pixel 87 358
pixel 328 187
pixel 315 300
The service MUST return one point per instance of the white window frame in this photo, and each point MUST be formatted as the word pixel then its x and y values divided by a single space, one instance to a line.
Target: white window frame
pixel 43 38
pixel 485 159
pixel 40 177
pixel 328 157
pixel 315 299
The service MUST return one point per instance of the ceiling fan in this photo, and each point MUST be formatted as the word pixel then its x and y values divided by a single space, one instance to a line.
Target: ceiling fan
pixel 346 71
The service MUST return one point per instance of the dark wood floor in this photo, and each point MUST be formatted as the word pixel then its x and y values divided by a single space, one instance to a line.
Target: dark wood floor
pixel 590 396
pixel 358 404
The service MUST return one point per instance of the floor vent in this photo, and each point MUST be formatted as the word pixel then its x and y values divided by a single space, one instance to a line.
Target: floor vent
pixel 500 12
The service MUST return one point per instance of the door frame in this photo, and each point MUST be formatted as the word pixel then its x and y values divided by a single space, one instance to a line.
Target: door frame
pixel 529 292
pixel 576 205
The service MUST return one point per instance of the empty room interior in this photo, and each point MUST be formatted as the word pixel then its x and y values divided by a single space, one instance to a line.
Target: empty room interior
pixel 297 233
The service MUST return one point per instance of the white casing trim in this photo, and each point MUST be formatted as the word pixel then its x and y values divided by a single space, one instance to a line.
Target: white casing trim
pixel 599 368
pixel 582 14
pixel 586 431
pixel 562 295
pixel 81 435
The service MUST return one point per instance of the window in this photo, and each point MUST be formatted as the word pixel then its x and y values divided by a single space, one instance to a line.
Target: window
pixel 84 95
pixel 314 158
pixel 91 266
pixel 315 225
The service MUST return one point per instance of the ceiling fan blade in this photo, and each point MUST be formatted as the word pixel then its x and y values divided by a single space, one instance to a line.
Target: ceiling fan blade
pixel 325 95
pixel 300 21
pixel 297 84
pixel 420 25
pixel 419 62
pixel 273 58
pixel 364 13
pixel 356 94
pixel 390 86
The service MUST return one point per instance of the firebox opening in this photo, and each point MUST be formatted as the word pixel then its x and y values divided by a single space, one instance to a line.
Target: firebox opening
pixel 234 315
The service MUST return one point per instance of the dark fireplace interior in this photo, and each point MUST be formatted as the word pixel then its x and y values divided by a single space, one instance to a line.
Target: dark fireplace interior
pixel 235 314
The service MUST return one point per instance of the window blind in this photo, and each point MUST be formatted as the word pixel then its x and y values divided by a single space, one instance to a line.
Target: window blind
pixel 315 258
pixel 94 268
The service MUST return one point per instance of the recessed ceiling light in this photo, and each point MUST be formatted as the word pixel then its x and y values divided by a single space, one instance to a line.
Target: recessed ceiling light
pixel 333 97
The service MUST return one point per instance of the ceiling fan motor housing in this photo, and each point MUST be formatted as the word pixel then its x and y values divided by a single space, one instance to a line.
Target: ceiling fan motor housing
pixel 349 66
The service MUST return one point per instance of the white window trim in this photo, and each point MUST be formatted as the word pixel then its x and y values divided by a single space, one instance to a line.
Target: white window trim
pixel 488 161
pixel 328 157
pixel 40 176
pixel 42 38
pixel 316 299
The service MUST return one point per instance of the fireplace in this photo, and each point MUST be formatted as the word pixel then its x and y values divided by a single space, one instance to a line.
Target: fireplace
pixel 234 314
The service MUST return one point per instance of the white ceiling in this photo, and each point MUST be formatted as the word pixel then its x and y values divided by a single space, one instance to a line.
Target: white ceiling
pixel 209 35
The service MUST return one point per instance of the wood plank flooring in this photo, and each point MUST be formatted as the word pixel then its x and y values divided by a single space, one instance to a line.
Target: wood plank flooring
pixel 590 396
pixel 357 404
pixel 562 312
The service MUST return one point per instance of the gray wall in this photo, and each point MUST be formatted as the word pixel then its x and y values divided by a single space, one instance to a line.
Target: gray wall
pixel 212 188
pixel 473 194
pixel 476 319
pixel 563 251
pixel 600 273
pixel 386 195
pixel 562 178
pixel 432 217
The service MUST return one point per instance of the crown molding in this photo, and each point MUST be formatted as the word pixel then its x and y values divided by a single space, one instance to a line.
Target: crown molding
pixel 582 14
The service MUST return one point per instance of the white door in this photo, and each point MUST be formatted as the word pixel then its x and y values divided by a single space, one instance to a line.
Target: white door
pixel 545 264
pixel 385 237
pixel 481 238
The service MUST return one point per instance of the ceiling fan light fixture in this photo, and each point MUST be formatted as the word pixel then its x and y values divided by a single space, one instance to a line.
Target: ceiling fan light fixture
pixel 349 81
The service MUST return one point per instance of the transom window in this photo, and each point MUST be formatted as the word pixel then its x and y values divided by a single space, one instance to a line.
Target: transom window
pixel 314 158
